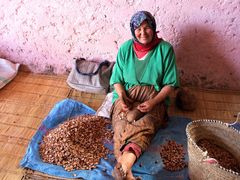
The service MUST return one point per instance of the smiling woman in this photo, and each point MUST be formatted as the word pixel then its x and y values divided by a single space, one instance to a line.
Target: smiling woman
pixel 144 33
pixel 144 75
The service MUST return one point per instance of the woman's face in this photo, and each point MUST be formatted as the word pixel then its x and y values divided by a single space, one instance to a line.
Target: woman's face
pixel 144 33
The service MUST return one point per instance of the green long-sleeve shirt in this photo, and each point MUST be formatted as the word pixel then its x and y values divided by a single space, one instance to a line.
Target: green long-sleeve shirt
pixel 157 69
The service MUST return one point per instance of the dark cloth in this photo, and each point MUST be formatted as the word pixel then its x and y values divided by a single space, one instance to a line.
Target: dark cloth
pixel 139 131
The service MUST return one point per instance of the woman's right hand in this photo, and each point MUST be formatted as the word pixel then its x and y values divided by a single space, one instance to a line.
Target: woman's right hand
pixel 126 102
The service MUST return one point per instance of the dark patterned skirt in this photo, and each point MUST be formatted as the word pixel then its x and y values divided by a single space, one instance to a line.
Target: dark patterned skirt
pixel 141 129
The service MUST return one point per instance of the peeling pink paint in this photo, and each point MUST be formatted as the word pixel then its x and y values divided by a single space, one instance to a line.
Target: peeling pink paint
pixel 46 35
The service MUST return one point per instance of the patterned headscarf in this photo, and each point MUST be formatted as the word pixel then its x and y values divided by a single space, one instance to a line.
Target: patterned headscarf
pixel 137 20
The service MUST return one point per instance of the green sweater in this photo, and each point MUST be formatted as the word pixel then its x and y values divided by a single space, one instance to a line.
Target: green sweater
pixel 157 69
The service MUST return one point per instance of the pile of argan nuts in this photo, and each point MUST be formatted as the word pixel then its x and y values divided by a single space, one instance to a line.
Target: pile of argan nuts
pixel 77 143
pixel 224 158
pixel 173 156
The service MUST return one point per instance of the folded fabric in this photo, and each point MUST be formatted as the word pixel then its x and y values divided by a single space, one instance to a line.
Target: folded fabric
pixel 8 71
pixel 149 166
pixel 105 108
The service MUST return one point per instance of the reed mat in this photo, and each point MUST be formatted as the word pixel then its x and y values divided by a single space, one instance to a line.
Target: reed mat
pixel 27 100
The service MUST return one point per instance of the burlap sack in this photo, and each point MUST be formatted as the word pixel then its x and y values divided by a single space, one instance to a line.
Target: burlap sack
pixel 225 136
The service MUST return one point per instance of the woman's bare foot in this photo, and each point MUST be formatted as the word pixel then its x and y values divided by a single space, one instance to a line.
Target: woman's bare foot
pixel 119 173
pixel 123 169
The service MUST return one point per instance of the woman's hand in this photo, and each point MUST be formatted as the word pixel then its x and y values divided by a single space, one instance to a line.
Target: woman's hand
pixel 126 102
pixel 160 97
pixel 146 106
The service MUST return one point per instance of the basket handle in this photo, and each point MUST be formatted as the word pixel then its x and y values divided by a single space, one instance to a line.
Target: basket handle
pixel 207 159
pixel 236 124
pixel 210 161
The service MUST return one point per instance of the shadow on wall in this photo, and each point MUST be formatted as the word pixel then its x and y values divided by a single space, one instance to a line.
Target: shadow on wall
pixel 201 60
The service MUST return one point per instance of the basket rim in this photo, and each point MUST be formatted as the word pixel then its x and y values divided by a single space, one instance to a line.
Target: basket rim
pixel 211 121
pixel 205 152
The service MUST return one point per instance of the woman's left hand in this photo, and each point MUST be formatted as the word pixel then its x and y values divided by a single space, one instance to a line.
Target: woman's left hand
pixel 146 106
pixel 149 104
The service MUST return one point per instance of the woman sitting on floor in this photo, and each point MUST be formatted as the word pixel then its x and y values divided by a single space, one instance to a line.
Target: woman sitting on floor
pixel 144 75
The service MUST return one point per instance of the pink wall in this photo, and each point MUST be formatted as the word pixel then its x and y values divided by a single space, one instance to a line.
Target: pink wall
pixel 45 35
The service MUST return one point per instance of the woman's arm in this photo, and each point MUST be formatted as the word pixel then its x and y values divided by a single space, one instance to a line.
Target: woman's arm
pixel 161 96
pixel 125 100
pixel 170 80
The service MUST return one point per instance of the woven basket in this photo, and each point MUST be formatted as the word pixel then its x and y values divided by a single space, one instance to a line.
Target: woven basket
pixel 225 136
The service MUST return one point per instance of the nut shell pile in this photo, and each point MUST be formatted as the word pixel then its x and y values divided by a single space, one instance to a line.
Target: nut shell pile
pixel 173 156
pixel 224 158
pixel 77 143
